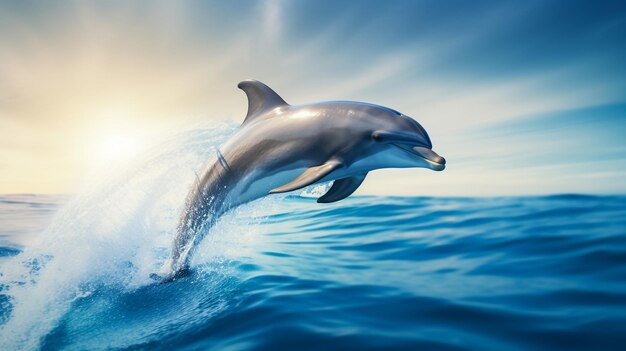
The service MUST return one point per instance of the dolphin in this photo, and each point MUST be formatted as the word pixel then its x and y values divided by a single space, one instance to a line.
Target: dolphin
pixel 281 148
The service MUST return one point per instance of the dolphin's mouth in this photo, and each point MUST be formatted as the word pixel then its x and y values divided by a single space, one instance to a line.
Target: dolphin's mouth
pixel 436 162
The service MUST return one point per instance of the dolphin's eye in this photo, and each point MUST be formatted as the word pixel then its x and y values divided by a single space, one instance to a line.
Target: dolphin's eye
pixel 376 136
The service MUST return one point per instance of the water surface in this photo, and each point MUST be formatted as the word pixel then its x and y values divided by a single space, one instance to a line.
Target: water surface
pixel 287 273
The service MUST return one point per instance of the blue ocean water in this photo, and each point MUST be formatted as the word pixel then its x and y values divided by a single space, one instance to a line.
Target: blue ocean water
pixel 366 273
pixel 286 273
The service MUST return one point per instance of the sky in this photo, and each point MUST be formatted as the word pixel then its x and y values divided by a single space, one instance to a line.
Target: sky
pixel 521 97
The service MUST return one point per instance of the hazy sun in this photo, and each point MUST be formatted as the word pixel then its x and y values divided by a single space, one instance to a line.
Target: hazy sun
pixel 114 139
pixel 119 148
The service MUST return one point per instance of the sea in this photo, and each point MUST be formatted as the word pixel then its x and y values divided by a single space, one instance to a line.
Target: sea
pixel 287 273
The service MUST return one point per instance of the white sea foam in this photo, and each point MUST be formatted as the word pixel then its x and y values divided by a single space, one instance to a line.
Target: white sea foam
pixel 316 190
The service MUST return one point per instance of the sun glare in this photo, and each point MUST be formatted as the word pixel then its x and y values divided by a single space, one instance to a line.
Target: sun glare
pixel 118 148
pixel 114 138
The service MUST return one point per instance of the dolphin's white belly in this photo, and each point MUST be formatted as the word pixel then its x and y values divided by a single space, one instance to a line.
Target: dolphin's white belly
pixel 256 185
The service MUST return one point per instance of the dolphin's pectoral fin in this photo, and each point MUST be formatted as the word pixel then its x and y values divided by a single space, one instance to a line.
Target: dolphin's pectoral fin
pixel 308 177
pixel 261 98
pixel 342 188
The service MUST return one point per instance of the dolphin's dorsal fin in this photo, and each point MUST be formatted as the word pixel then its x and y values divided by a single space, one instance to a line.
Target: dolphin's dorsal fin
pixel 342 188
pixel 261 98
pixel 308 177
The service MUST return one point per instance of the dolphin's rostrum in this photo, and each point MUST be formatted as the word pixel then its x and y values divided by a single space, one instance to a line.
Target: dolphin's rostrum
pixel 281 148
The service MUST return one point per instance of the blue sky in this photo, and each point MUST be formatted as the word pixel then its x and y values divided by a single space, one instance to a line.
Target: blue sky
pixel 520 97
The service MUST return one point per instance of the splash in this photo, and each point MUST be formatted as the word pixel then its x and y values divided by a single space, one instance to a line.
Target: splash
pixel 112 235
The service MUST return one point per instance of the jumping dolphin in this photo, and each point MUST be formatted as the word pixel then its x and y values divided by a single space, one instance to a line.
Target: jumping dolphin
pixel 281 148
